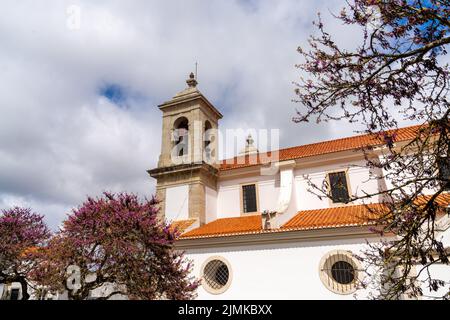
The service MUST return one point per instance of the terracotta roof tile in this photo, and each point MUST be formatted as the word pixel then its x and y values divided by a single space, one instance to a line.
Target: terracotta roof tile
pixel 304 220
pixel 352 215
pixel 442 200
pixel 227 226
pixel 345 216
pixel 320 148
pixel 182 225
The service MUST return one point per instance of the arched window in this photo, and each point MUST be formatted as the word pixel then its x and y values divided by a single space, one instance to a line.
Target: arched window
pixel 181 136
pixel 208 137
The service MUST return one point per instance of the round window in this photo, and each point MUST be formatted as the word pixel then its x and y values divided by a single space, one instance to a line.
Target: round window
pixel 343 272
pixel 216 275
pixel 339 272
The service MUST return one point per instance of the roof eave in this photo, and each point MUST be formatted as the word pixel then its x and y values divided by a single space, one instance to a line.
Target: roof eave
pixel 284 236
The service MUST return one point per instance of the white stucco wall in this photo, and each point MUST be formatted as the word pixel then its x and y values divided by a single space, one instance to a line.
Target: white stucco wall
pixel 405 177
pixel 5 290
pixel 444 235
pixel 177 203
pixel 228 201
pixel 229 198
pixel 437 271
pixel 279 271
pixel 268 194
pixel 210 204
pixel 358 177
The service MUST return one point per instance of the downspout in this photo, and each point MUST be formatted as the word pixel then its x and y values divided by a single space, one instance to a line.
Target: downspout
pixel 274 220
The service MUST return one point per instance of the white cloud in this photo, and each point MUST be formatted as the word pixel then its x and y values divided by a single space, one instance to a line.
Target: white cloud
pixel 60 140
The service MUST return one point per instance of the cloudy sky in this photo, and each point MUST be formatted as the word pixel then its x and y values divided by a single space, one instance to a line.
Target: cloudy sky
pixel 81 80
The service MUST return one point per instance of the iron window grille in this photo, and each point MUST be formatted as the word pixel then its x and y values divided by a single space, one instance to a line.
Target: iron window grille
pixel 339 272
pixel 339 187
pixel 216 275
pixel 343 272
pixel 249 198
pixel 444 172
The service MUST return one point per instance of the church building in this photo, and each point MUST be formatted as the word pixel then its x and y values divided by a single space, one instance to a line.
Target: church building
pixel 251 225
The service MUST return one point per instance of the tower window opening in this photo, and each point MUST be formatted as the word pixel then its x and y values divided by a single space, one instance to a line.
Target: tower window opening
pixel 207 147
pixel 181 136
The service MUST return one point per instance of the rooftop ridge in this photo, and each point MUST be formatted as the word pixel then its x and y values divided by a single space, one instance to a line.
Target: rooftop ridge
pixel 373 136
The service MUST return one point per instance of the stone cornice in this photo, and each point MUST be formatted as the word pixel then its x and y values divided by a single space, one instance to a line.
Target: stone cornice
pixel 190 96
pixel 277 237
pixel 182 168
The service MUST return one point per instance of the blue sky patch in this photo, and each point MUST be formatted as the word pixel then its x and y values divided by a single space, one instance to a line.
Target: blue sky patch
pixel 114 93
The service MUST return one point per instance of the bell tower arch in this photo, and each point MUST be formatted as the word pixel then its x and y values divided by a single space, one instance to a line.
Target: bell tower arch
pixel 187 169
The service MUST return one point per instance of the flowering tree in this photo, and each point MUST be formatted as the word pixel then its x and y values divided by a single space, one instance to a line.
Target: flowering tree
pixel 116 242
pixel 398 70
pixel 21 232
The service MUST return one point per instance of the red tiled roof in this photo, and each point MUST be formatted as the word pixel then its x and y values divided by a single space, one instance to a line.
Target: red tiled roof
pixel 320 148
pixel 353 215
pixel 227 226
pixel 30 250
pixel 345 216
pixel 182 225
pixel 305 220
pixel 442 199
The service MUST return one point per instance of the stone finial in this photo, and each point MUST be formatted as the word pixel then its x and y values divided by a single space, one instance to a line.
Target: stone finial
pixel 191 82
pixel 250 141
pixel 249 147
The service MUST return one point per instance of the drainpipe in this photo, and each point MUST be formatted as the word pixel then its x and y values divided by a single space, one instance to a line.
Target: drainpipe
pixel 274 220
